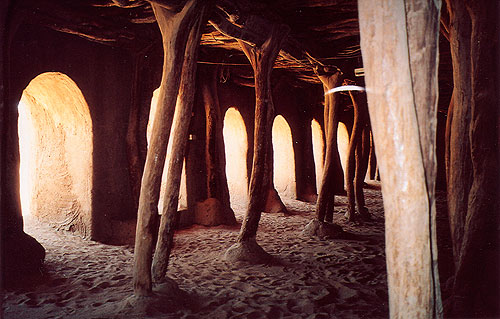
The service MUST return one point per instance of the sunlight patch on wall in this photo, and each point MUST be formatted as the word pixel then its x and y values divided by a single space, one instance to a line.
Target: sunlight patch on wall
pixel 343 145
pixel 318 151
pixel 236 147
pixel 55 136
pixel 284 159
pixel 27 146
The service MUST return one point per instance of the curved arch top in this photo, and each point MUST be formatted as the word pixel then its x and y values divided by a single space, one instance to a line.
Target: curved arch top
pixel 236 148
pixel 55 137
pixel 284 158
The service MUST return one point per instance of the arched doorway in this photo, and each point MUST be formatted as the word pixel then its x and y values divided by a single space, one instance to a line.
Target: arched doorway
pixel 284 159
pixel 55 145
pixel 182 190
pixel 318 151
pixel 236 147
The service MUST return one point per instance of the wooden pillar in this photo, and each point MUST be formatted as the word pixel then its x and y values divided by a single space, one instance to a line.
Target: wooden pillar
pixel 331 179
pixel 399 43
pixel 362 154
pixel 262 59
pixel 182 119
pixel 372 161
pixel 356 167
pixel 175 29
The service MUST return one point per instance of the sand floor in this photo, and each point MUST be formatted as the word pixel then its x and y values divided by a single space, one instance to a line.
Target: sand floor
pixel 313 278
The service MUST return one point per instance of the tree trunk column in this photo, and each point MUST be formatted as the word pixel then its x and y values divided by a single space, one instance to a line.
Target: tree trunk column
pixel 399 42
pixel 182 119
pixel 356 166
pixel 262 60
pixel 175 30
pixel 331 179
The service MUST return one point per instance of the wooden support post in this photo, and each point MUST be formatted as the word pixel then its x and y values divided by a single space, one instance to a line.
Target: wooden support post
pixel 372 160
pixel 262 59
pixel 359 145
pixel 331 179
pixel 399 43
pixel 362 154
pixel 182 119
pixel 175 30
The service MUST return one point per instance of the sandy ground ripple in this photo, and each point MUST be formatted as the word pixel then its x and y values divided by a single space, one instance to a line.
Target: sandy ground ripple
pixel 310 278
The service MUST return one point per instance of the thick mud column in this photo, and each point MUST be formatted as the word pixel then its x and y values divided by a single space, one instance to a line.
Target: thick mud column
pixel 217 188
pixel 399 42
pixel 473 174
pixel 22 256
pixel 262 59
pixel 175 28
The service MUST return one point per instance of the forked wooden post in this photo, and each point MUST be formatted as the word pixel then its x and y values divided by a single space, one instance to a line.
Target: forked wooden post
pixel 182 119
pixel 262 60
pixel 355 160
pixel 331 180
pixel 175 30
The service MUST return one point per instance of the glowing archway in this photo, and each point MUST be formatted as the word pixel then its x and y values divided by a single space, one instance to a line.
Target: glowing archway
pixel 318 151
pixel 284 159
pixel 182 190
pixel 236 147
pixel 343 145
pixel 55 143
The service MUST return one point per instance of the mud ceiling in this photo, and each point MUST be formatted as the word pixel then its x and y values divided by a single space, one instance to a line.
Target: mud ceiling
pixel 323 32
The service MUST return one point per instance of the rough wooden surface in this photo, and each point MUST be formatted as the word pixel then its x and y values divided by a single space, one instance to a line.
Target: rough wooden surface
pixel 175 31
pixel 403 36
pixel 355 160
pixel 262 60
pixel 182 119
pixel 331 178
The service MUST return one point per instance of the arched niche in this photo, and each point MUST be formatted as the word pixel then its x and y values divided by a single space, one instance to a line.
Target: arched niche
pixel 236 147
pixel 182 190
pixel 318 142
pixel 284 158
pixel 55 145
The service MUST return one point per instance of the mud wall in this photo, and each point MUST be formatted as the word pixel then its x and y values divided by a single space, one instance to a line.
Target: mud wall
pixel 104 76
